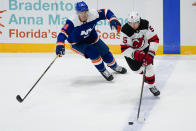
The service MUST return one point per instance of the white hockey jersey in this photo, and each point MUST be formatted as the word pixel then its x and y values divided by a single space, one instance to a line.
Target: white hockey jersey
pixel 142 38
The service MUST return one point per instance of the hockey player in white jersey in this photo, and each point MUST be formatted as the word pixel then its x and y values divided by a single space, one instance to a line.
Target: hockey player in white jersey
pixel 139 44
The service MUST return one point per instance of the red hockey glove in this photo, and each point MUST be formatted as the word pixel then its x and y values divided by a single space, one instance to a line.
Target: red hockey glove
pixel 139 55
pixel 148 59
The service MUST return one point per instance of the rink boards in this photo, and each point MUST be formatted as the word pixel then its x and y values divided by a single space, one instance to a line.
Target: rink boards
pixel 32 26
pixel 38 48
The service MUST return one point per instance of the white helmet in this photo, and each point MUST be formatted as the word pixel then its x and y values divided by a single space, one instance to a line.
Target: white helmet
pixel 134 17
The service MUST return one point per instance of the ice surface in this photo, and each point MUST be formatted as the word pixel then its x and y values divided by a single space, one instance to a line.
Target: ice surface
pixel 73 96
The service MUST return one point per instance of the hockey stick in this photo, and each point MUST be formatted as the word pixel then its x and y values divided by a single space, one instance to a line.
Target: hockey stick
pixel 22 99
pixel 141 94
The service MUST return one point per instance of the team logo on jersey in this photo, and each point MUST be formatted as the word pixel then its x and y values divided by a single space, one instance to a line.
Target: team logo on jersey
pixel 137 43
pixel 86 33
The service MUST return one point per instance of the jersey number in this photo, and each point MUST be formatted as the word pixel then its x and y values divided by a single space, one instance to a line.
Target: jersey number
pixel 125 40
pixel 150 27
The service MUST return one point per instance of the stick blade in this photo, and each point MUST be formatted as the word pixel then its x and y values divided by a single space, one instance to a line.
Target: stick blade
pixel 141 120
pixel 19 98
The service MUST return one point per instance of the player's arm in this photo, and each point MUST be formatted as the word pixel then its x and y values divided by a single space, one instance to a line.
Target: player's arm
pixel 153 42
pixel 62 36
pixel 108 14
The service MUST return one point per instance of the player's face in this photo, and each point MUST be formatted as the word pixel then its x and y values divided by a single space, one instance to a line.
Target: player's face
pixel 83 16
pixel 134 25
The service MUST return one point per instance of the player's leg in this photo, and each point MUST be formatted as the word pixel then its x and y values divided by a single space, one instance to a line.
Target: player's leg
pixel 150 77
pixel 138 68
pixel 108 57
pixel 91 52
pixel 150 80
pixel 94 55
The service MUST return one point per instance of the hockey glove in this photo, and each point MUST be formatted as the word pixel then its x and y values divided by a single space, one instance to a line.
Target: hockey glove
pixel 148 59
pixel 115 24
pixel 139 55
pixel 60 50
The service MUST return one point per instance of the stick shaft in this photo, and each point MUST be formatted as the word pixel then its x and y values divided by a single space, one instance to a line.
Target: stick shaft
pixel 141 94
pixel 40 78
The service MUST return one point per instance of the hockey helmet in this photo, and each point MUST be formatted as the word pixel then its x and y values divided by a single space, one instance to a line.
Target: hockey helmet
pixel 81 6
pixel 134 17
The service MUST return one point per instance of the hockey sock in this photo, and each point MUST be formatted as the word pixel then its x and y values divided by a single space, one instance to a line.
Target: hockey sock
pixel 93 54
pixel 150 81
pixel 109 60
pixel 99 64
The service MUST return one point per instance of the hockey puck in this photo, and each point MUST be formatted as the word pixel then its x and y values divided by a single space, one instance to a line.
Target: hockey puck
pixel 131 123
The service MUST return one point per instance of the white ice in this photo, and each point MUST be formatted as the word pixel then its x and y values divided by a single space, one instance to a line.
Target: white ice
pixel 73 96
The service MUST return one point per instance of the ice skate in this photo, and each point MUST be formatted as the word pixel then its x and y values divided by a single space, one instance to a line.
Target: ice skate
pixel 107 75
pixel 120 69
pixel 154 91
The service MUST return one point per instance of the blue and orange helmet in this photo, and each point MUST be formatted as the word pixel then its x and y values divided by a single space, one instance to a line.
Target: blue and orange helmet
pixel 81 6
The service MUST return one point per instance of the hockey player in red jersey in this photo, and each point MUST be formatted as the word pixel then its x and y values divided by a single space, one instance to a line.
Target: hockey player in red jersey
pixel 139 44
pixel 79 31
